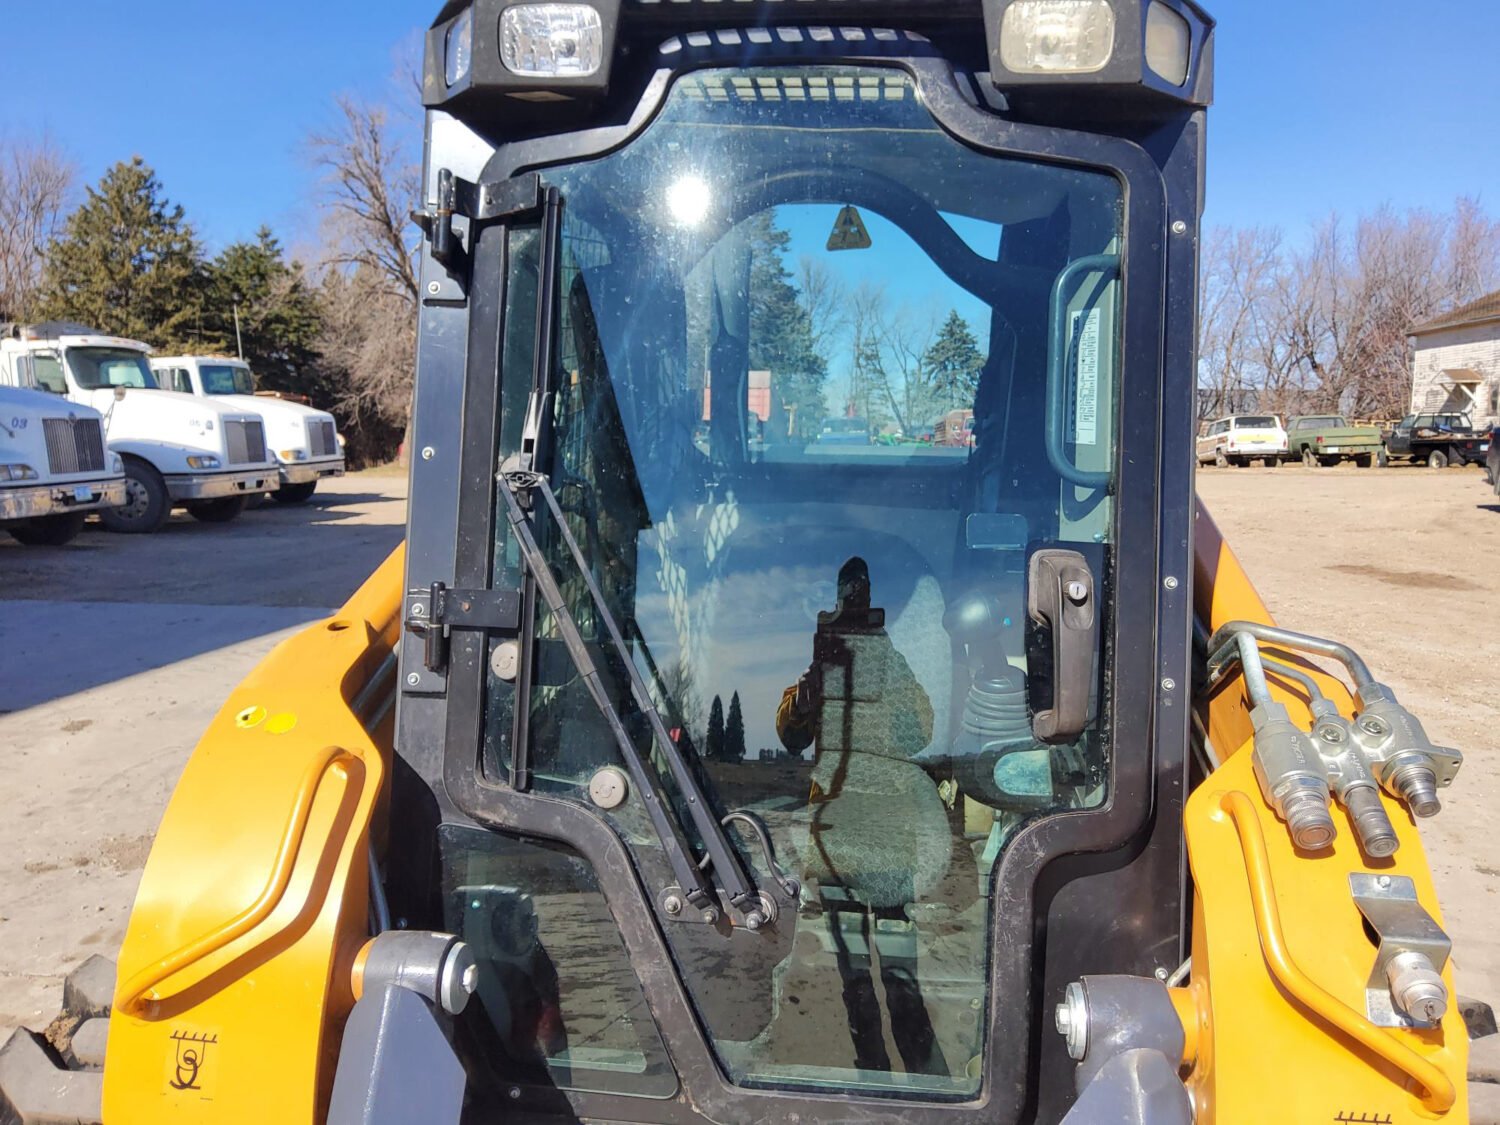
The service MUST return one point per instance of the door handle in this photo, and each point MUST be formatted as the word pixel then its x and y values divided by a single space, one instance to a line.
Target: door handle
pixel 1060 598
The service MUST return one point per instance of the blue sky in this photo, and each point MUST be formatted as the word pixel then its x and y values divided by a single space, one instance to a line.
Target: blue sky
pixel 1330 104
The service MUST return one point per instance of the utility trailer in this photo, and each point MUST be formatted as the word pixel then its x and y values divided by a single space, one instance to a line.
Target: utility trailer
pixel 1054 825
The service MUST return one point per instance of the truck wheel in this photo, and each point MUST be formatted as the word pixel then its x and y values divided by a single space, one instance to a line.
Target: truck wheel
pixel 1328 462
pixel 217 511
pixel 146 506
pixel 1271 462
pixel 295 493
pixel 1437 459
pixel 1309 458
pixel 49 531
pixel 1220 460
pixel 1364 460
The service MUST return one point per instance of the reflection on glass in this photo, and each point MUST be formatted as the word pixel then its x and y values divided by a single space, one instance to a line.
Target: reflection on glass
pixel 808 484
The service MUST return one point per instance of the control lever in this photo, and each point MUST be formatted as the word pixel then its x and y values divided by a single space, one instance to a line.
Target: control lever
pixel 1060 598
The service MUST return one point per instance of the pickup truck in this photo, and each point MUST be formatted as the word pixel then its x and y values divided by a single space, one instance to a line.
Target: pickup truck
pixel 179 451
pixel 1439 439
pixel 304 441
pixel 54 468
pixel 1327 439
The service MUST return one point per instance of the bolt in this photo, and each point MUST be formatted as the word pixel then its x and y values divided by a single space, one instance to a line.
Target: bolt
pixel 1383 882
pixel 1168 684
pixel 401 923
pixel 1330 734
pixel 514 1092
pixel 1372 726
pixel 1162 974
pixel 1072 1019
pixel 1179 227
pixel 418 609
pixel 672 905
pixel 753 920
pixel 434 287
pixel 1170 582
pixel 710 916
pixel 1076 592
pixel 413 679
pixel 428 452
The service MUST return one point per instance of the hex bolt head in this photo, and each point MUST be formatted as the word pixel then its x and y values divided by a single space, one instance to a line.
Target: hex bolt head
pixel 710 916
pixel 672 905
pixel 1330 734
pixel 1372 725
pixel 1072 1019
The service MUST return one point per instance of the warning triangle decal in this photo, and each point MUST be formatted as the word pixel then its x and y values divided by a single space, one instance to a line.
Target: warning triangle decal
pixel 849 231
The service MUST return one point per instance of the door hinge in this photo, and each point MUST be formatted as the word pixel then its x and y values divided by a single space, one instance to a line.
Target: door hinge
pixel 479 203
pixel 447 609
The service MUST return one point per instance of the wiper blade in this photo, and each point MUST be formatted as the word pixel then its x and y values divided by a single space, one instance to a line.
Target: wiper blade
pixel 721 859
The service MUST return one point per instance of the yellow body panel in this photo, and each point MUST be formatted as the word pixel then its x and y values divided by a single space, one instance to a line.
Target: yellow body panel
pixel 213 1027
pixel 1261 1054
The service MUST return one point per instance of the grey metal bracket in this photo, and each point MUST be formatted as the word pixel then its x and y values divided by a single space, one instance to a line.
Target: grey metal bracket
pixel 1403 926
pixel 479 203
pixel 434 613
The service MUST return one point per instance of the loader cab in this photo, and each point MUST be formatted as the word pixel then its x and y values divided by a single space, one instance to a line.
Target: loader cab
pixel 794 682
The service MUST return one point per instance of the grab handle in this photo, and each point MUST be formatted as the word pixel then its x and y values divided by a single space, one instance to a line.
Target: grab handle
pixel 1057 374
pixel 132 997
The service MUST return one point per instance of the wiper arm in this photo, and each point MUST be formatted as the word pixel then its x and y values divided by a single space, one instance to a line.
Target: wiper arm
pixel 721 860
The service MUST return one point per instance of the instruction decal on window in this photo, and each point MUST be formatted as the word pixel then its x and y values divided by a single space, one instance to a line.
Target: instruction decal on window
pixel 1085 332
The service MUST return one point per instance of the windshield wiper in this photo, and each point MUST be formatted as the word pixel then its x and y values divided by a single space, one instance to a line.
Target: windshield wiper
pixel 721 860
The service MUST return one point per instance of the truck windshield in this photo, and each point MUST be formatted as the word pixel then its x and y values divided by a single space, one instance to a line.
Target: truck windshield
pixel 826 381
pixel 226 379
pixel 94 368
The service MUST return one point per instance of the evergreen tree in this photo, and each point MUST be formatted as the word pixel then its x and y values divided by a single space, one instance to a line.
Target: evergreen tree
pixel 127 263
pixel 279 317
pixel 713 745
pixel 734 731
pixel 781 337
pixel 953 364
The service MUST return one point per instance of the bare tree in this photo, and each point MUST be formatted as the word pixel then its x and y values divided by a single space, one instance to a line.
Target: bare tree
pixel 369 287
pixel 36 185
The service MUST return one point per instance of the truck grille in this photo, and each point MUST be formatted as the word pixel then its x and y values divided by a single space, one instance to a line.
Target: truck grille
pixel 247 441
pixel 321 438
pixel 74 445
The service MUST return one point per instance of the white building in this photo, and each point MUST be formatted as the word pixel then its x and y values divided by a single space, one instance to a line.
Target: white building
pixel 1457 362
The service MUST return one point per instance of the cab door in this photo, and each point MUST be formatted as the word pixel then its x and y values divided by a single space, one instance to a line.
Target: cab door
pixel 1399 441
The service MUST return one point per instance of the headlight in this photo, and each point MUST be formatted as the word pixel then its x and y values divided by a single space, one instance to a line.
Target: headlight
pixel 1056 36
pixel 116 464
pixel 458 52
pixel 1168 43
pixel 292 454
pixel 204 461
pixel 17 472
pixel 551 40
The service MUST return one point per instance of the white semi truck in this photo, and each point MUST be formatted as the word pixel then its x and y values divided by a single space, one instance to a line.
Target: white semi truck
pixel 304 441
pixel 54 467
pixel 178 450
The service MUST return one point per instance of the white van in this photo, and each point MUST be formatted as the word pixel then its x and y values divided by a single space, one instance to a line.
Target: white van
pixel 1239 439
pixel 179 451
pixel 54 467
pixel 304 441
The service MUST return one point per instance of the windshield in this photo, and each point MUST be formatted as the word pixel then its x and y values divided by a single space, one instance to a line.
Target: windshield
pixel 94 368
pixel 826 383
pixel 226 379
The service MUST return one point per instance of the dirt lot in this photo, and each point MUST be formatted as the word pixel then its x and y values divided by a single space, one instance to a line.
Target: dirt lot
pixel 1404 564
pixel 115 652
